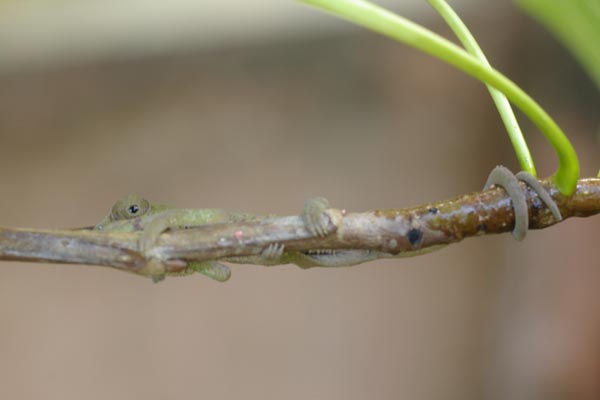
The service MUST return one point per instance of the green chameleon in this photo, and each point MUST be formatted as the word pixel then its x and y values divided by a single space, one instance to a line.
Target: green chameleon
pixel 135 214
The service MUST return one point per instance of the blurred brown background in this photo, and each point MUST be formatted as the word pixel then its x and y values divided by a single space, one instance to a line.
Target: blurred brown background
pixel 199 104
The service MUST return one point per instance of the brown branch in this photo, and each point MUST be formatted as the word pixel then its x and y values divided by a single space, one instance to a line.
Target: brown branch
pixel 388 231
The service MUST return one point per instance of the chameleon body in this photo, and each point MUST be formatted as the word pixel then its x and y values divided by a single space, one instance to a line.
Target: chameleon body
pixel 135 214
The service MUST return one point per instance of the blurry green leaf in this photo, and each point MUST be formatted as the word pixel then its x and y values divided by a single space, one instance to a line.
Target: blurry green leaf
pixel 576 23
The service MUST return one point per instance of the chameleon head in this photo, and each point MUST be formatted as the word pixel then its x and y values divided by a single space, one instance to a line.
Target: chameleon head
pixel 129 207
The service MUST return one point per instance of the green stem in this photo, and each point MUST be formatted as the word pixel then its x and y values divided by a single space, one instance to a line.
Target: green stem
pixel 380 20
pixel 504 109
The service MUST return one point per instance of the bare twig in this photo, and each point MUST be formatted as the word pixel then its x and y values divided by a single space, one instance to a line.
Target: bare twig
pixel 388 231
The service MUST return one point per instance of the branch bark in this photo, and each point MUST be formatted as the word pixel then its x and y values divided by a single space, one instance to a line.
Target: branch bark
pixel 393 231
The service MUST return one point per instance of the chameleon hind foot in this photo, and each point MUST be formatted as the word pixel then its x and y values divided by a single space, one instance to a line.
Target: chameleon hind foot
pixel 313 215
pixel 501 176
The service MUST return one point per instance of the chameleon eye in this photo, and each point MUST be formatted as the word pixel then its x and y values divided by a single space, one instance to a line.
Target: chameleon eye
pixel 133 209
pixel 130 207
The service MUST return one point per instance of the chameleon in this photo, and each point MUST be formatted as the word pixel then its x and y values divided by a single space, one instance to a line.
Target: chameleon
pixel 133 213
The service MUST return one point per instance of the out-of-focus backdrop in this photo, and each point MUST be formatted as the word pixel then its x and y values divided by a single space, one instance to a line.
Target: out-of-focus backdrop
pixel 255 105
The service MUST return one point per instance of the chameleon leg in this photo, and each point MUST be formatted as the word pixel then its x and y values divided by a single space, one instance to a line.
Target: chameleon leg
pixel 315 220
pixel 313 215
pixel 177 219
pixel 316 223
pixel 501 176
pixel 165 221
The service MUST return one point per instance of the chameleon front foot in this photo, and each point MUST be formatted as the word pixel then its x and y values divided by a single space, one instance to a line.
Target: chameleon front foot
pixel 501 176
pixel 159 224
pixel 313 215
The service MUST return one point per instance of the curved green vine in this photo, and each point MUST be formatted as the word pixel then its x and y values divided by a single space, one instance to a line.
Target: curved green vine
pixel 380 20
pixel 502 104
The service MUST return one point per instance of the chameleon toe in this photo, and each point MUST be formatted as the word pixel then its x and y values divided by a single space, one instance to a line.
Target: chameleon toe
pixel 273 252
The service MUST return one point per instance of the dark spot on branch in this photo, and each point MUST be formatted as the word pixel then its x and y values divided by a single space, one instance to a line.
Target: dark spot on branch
pixel 414 236
pixel 433 210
